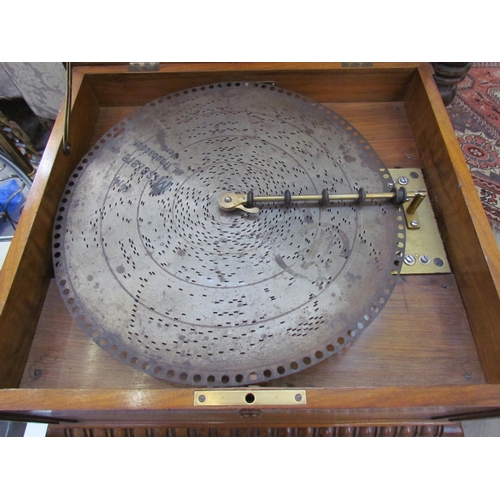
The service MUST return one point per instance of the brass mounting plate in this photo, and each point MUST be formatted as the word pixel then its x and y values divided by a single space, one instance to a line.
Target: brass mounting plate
pixel 250 397
pixel 424 253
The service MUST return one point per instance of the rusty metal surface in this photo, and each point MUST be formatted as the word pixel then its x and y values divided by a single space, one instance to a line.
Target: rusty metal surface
pixel 159 276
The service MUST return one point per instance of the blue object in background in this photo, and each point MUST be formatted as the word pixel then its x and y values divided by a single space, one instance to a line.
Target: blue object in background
pixel 7 189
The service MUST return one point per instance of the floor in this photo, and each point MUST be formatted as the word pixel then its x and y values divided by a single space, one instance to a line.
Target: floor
pixel 488 427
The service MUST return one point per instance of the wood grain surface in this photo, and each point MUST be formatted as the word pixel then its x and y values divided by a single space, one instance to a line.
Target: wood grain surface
pixel 470 243
pixel 325 406
pixel 27 269
pixel 324 82
pixel 420 337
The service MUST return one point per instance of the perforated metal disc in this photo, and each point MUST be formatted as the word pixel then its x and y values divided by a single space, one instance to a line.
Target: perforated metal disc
pixel 158 275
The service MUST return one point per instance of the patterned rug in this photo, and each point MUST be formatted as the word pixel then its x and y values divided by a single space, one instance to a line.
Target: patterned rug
pixel 475 115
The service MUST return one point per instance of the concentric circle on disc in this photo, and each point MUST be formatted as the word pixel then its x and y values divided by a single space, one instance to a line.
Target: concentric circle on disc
pixel 163 279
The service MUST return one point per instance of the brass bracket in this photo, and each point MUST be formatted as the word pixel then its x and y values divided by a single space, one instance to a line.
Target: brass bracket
pixel 250 397
pixel 424 253
pixel 410 210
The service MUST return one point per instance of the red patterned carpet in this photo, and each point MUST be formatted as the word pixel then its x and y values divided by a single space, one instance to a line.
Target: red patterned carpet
pixel 475 114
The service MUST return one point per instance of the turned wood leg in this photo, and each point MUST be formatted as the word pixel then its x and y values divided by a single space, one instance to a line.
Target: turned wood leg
pixel 447 76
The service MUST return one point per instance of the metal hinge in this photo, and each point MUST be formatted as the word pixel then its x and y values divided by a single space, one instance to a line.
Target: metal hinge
pixel 357 65
pixel 144 66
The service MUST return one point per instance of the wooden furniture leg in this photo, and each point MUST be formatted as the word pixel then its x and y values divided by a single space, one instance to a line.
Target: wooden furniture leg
pixel 447 76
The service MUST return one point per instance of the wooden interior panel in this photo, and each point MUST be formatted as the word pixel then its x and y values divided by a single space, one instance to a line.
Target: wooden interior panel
pixel 326 83
pixel 421 337
pixel 108 118
pixel 386 127
pixel 27 270
pixel 470 244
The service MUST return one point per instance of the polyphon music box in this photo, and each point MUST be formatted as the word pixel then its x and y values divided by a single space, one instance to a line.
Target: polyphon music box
pixel 251 244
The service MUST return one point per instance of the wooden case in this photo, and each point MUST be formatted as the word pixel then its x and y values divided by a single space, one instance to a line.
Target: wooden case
pixel 432 353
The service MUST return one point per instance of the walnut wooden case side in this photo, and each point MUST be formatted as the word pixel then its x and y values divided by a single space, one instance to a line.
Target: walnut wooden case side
pixel 469 240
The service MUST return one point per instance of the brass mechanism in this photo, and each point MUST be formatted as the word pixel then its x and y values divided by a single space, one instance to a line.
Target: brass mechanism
pixel 424 252
pixel 410 210
pixel 231 201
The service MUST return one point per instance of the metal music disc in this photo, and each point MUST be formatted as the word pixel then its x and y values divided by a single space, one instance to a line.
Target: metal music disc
pixel 164 280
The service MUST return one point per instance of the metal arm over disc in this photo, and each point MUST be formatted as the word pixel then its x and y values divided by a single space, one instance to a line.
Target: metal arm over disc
pixel 231 201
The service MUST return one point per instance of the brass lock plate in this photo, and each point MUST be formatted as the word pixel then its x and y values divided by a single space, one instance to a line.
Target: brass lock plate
pixel 424 253
pixel 250 397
